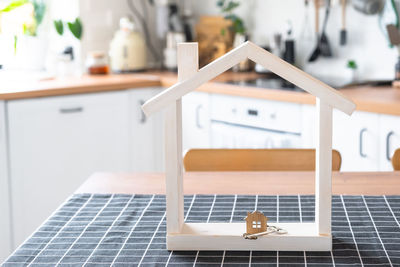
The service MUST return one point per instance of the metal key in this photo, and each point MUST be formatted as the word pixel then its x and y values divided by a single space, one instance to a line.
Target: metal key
pixel 270 230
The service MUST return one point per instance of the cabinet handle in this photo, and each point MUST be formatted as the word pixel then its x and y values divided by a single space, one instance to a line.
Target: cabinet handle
pixel 142 119
pixel 71 110
pixel 198 124
pixel 388 144
pixel 252 112
pixel 361 142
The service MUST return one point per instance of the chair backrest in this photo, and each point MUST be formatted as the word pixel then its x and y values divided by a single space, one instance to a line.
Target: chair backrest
pixel 396 160
pixel 255 160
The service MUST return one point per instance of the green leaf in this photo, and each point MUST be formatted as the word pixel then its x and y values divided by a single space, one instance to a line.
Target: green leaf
pixel 29 29
pixel 15 44
pixel 220 3
pixel 59 25
pixel 223 31
pixel 13 5
pixel 351 64
pixel 76 28
pixel 231 6
pixel 39 7
pixel 237 23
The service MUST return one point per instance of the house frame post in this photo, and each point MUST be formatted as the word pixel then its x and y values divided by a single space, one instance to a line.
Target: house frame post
pixel 323 168
pixel 187 66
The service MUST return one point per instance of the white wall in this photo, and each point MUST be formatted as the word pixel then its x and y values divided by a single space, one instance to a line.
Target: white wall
pixel 365 42
pixel 101 20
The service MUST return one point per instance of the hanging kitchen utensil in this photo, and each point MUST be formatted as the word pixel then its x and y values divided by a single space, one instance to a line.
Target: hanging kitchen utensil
pixel 368 7
pixel 315 54
pixel 324 43
pixel 306 39
pixel 394 35
pixel 389 15
pixel 343 32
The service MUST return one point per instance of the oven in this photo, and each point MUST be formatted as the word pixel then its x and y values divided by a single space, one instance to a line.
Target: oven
pixel 238 122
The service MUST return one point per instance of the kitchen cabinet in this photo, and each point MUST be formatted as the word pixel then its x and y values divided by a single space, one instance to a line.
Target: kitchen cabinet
pixel 356 138
pixel 195 121
pixel 308 124
pixel 147 138
pixel 389 140
pixel 56 143
pixel 5 218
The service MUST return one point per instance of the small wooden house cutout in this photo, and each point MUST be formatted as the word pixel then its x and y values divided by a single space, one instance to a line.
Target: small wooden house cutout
pixel 314 236
pixel 256 222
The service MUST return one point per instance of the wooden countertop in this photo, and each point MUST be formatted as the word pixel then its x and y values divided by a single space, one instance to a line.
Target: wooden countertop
pixel 75 85
pixel 267 183
pixel 385 100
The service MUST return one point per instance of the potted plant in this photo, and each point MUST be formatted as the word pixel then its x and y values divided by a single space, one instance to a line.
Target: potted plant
pixel 353 67
pixel 68 55
pixel 227 8
pixel 22 19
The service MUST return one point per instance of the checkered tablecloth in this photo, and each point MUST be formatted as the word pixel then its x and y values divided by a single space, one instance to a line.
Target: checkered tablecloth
pixel 129 230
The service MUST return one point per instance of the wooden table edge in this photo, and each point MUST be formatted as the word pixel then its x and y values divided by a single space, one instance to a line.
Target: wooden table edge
pixel 246 183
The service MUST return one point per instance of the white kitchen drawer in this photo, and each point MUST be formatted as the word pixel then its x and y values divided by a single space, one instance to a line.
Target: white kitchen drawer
pixel 5 219
pixel 147 133
pixel 56 143
pixel 389 140
pixel 356 138
pixel 273 115
pixel 196 120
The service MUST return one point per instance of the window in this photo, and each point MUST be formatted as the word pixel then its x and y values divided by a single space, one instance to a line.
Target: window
pixel 256 224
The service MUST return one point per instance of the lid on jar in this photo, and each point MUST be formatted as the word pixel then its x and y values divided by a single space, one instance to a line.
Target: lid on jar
pixel 96 54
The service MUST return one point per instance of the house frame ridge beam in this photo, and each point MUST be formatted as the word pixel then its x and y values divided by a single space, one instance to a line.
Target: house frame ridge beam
pixel 300 78
pixel 191 83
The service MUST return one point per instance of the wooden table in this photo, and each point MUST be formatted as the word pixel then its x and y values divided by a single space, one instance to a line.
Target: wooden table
pixel 267 183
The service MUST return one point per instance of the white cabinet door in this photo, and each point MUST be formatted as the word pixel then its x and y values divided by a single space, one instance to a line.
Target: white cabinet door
pixel 56 143
pixel 389 140
pixel 356 138
pixel 5 217
pixel 146 133
pixel 308 124
pixel 195 120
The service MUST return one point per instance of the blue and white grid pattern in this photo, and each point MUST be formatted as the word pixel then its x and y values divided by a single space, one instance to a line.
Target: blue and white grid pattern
pixel 129 230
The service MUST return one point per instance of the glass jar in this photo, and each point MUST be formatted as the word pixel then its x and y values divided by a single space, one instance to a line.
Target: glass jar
pixel 96 63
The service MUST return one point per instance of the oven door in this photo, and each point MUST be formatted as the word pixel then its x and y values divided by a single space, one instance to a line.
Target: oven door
pixel 228 135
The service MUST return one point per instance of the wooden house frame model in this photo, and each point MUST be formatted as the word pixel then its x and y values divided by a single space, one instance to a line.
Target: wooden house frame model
pixel 315 236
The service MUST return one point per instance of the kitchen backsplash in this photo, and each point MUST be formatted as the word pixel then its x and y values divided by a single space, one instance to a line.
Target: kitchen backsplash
pixel 366 44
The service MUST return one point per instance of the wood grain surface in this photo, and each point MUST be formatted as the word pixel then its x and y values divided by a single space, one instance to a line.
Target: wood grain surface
pixel 74 85
pixel 268 183
pixel 284 159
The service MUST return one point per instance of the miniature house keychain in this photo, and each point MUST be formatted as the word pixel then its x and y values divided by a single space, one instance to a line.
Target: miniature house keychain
pixel 300 236
pixel 256 225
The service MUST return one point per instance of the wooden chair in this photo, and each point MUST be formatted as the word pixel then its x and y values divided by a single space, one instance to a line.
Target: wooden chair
pixel 255 160
pixel 396 160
